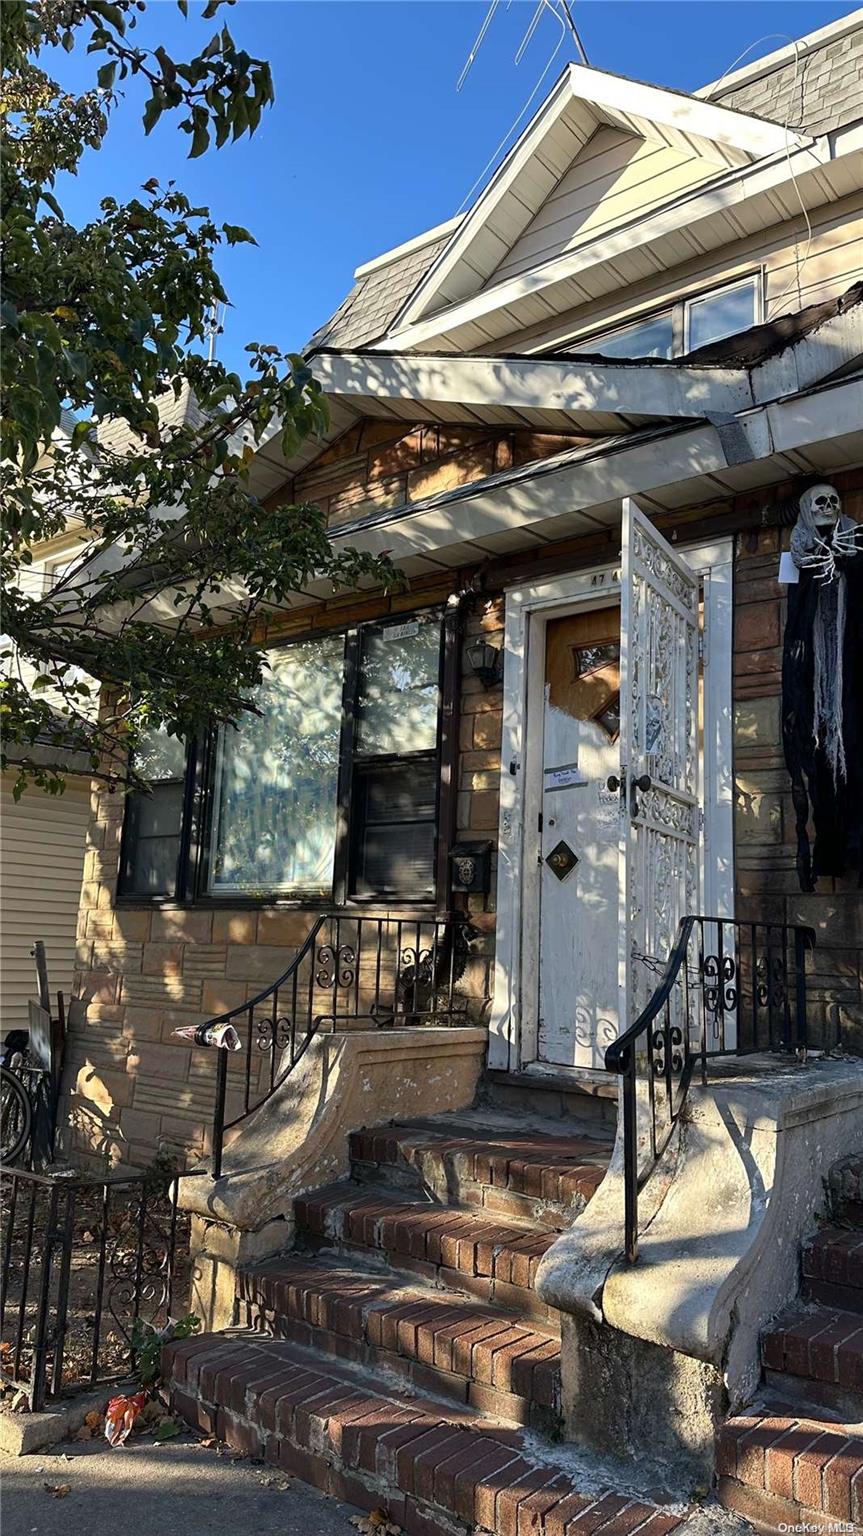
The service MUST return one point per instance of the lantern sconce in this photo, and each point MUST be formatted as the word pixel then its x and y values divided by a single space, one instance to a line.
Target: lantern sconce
pixel 485 662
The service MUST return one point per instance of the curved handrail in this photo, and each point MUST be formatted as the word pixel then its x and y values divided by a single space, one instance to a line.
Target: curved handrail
pixel 617 1053
pixel 274 986
pixel 369 966
pixel 750 976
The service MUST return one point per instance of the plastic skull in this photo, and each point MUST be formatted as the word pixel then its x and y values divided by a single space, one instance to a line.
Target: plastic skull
pixel 821 503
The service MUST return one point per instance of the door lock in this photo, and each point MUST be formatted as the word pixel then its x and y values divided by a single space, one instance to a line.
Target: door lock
pixel 643 782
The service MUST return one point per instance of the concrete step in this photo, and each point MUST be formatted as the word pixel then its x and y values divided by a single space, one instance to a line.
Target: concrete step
pixel 438 1471
pixel 785 1472
pixel 452 1249
pixel 845 1190
pixel 818 1352
pixel 487 1163
pixel 459 1349
pixel 833 1268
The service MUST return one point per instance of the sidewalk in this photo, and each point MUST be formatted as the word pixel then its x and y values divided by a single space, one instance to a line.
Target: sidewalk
pixel 181 1488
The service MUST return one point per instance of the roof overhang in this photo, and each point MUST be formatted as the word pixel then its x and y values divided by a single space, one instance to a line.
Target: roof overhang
pixel 582 101
pixel 546 394
pixel 578 492
pixel 738 203
pixel 593 397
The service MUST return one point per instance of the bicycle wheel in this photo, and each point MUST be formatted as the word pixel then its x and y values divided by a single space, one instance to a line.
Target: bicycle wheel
pixel 16 1116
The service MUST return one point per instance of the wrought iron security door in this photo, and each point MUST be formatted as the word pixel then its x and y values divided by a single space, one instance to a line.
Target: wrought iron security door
pixel 659 775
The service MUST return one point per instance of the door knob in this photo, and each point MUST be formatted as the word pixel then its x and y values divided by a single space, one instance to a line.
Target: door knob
pixel 613 783
pixel 642 783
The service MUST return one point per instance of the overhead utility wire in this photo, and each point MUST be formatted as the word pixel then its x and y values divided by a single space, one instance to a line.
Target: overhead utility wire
pixel 507 136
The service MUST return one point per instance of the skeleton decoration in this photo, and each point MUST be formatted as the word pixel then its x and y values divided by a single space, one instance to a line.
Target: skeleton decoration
pixel 822 676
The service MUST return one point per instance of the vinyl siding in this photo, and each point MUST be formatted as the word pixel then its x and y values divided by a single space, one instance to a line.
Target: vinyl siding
pixel 42 844
pixel 830 264
pixel 617 177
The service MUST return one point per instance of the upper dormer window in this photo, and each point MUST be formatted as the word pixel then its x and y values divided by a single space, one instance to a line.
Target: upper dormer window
pixel 689 324
pixel 648 338
pixel 723 313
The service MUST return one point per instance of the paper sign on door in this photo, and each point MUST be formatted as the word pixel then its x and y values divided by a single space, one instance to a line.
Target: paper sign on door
pixel 564 777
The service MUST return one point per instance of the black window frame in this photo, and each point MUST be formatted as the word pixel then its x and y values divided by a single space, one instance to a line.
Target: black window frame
pixel 185 835
pixel 195 849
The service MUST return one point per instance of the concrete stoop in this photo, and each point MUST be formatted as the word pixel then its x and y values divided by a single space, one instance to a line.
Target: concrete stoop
pixel 797 1457
pixel 452 1331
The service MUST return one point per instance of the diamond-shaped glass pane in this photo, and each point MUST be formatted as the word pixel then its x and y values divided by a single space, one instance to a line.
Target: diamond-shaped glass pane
pixel 609 717
pixel 589 658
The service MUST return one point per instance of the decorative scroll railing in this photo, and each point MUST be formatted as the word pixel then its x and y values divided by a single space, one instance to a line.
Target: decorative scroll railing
pixel 726 989
pixel 351 972
pixel 85 1257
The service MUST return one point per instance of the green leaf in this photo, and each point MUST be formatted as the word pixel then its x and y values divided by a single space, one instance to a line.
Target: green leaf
pixel 236 235
pixel 200 140
pixel 167 1429
pixel 153 110
pixel 105 75
pixel 50 199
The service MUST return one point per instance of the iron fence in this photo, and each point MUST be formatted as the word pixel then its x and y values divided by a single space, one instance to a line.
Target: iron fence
pixel 84 1257
pixel 727 989
pixel 351 972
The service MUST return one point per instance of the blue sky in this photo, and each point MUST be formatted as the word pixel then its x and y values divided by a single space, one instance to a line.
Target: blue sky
pixel 369 142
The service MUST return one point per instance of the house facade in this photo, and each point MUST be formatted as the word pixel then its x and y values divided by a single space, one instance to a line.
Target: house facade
pixel 652 303
pixel 532 890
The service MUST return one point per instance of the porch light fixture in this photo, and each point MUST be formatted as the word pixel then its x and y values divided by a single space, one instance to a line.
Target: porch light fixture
pixel 485 661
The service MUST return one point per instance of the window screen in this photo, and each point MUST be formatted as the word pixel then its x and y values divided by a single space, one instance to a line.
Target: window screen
pixel 395 765
pixel 154 821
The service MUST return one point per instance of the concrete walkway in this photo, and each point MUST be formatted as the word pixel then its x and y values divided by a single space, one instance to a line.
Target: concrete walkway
pixel 181 1488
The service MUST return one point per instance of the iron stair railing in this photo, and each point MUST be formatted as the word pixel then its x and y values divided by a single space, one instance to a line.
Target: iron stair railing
pixel 727 989
pixel 349 971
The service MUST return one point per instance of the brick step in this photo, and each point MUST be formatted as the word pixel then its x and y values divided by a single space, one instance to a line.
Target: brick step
pixel 447 1247
pixel 823 1348
pixel 523 1174
pixel 459 1349
pixel 438 1472
pixel 783 1472
pixel 833 1268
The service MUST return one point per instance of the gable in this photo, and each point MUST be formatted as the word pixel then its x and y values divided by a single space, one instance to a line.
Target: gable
pixel 583 101
pixel 615 178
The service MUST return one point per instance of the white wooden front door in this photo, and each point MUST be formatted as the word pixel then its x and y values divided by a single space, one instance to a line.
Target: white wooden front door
pixel 659 754
pixel 579 835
